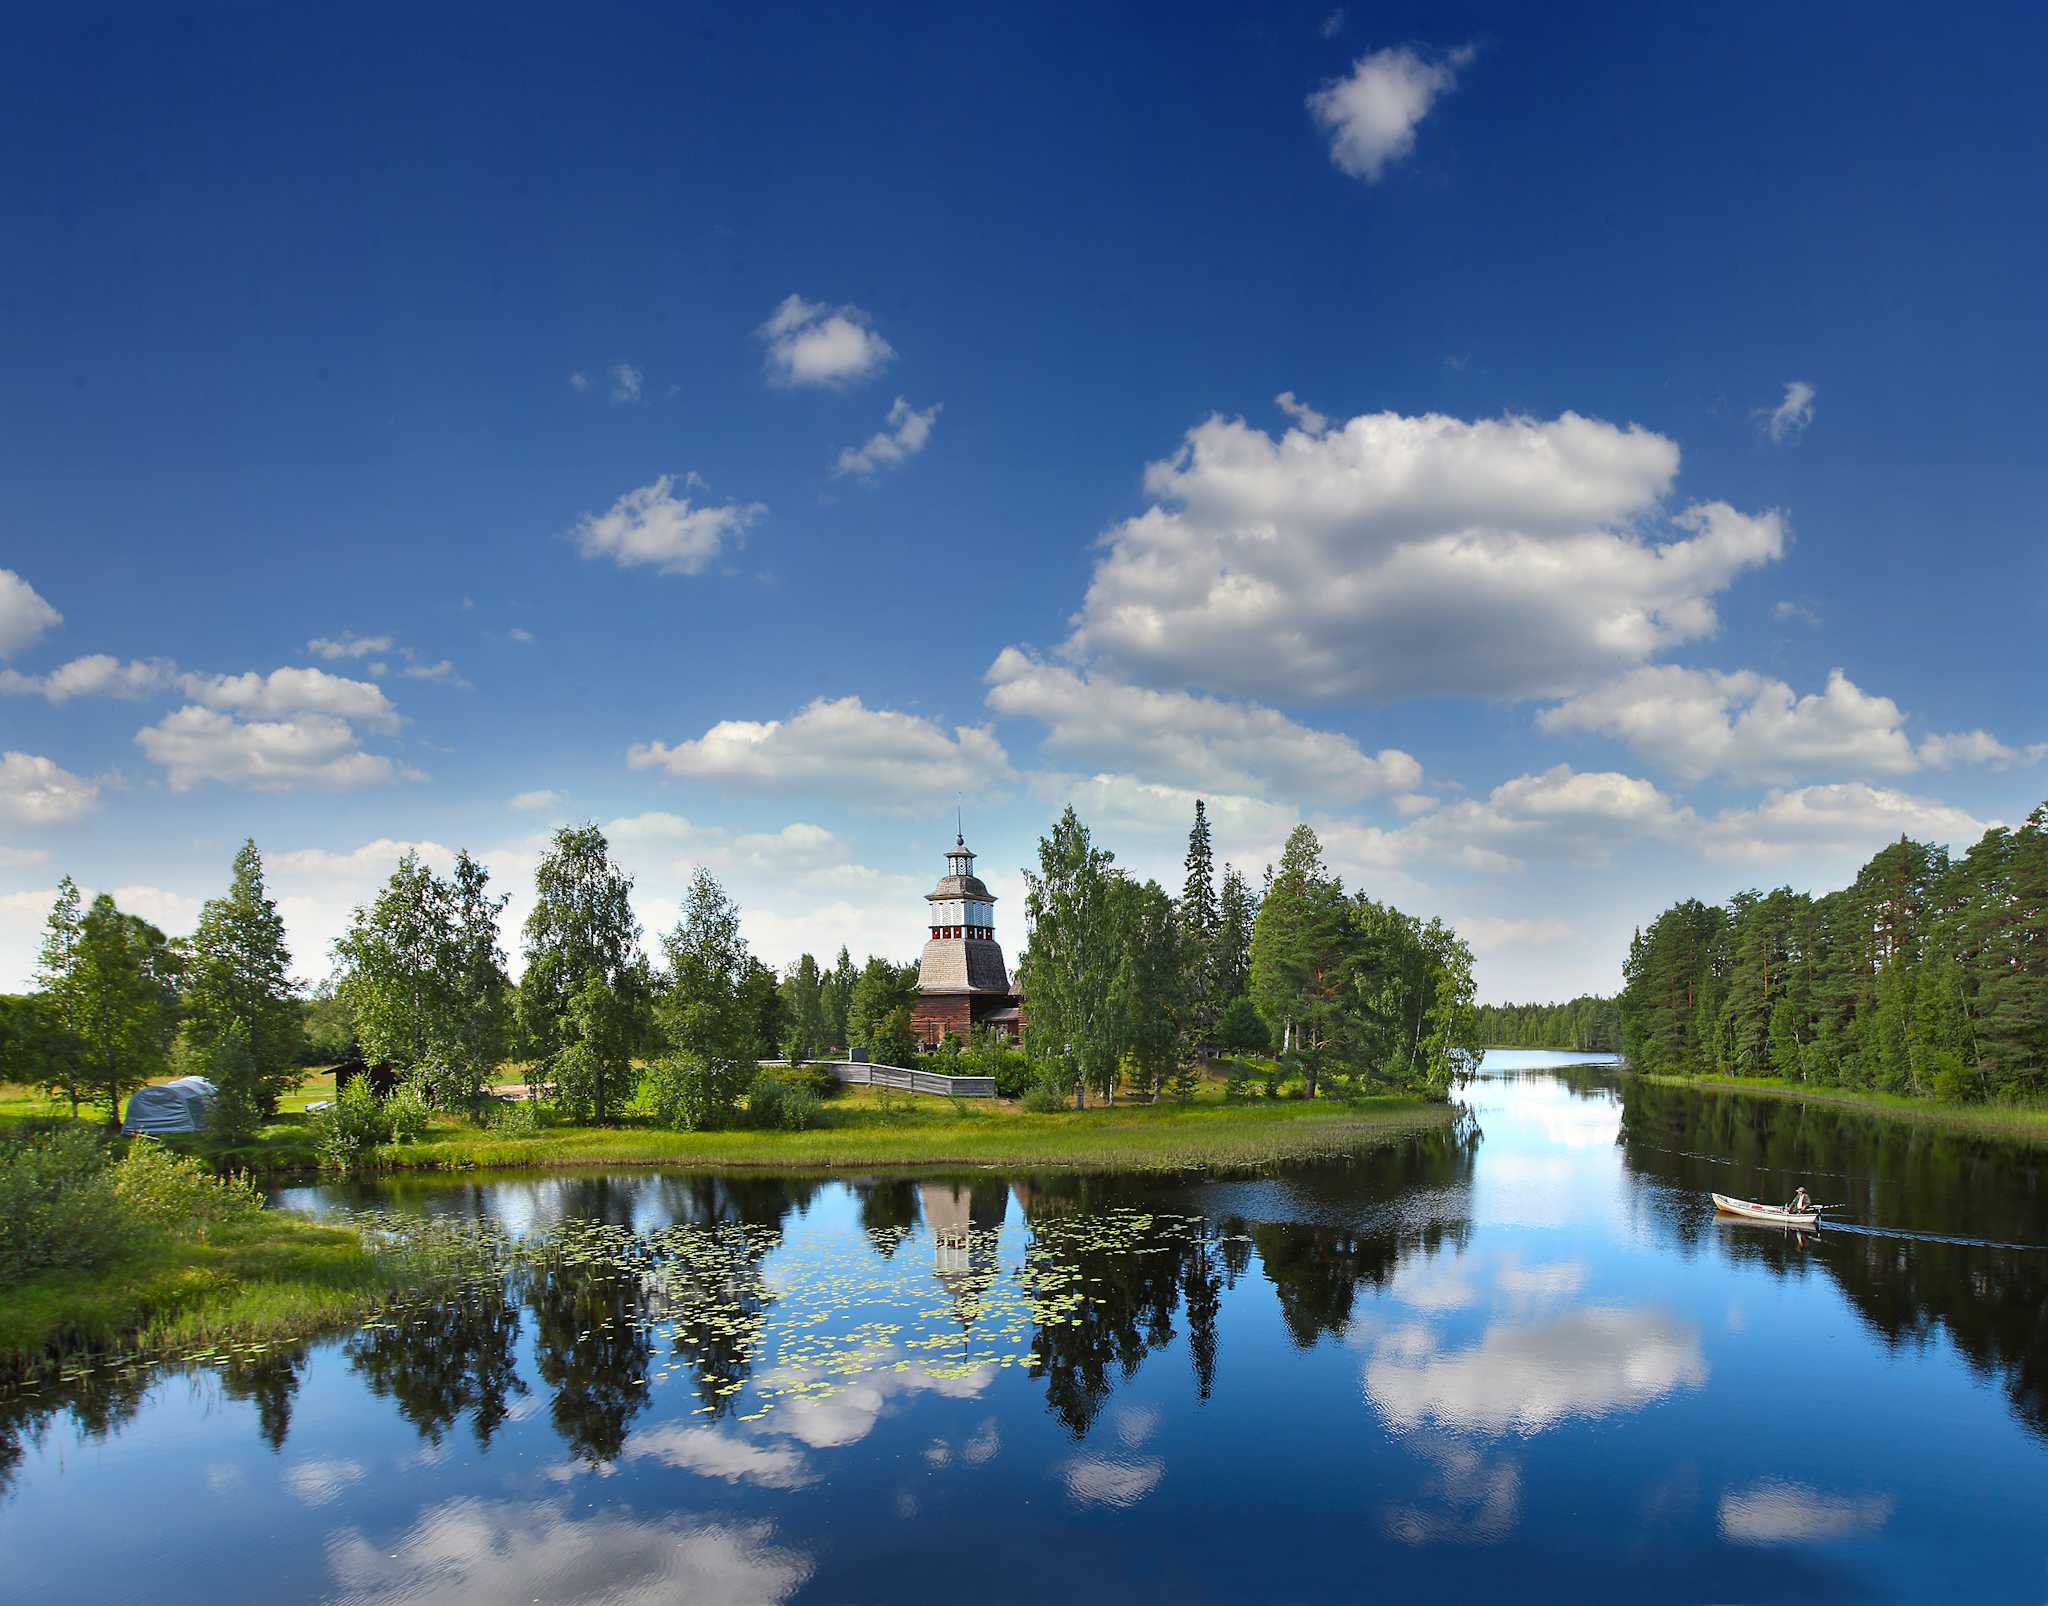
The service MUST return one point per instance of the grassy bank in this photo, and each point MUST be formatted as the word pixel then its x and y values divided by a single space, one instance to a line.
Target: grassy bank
pixel 273 1277
pixel 865 1128
pixel 2014 1123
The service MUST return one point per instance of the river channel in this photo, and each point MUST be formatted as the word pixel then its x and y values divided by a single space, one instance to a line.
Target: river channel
pixel 1520 1358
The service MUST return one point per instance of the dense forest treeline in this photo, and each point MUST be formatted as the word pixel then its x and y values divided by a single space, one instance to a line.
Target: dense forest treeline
pixel 1927 975
pixel 1585 1025
pixel 1129 990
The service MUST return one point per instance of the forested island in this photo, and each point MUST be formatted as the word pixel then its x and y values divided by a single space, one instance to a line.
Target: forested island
pixel 1927 976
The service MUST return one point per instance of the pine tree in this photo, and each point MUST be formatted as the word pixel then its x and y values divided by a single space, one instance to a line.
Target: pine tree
pixel 803 993
pixel 238 975
pixel 1300 953
pixel 1154 984
pixel 1236 915
pixel 837 990
pixel 1199 920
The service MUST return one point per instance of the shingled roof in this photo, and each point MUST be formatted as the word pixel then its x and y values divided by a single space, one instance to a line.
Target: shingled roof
pixel 962 965
pixel 960 886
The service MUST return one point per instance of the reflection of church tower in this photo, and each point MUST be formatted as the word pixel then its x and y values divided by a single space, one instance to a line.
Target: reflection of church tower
pixel 964 1222
pixel 961 979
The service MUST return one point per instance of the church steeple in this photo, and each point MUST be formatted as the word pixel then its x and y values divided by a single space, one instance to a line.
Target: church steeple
pixel 962 981
pixel 962 952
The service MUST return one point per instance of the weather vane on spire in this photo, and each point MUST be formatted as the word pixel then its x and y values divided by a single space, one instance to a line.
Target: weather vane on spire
pixel 959 824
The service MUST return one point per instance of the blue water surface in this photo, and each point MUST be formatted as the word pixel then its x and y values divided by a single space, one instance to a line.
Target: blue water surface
pixel 1516 1359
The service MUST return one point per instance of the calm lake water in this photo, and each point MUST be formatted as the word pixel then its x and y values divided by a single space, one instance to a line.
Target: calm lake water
pixel 1519 1359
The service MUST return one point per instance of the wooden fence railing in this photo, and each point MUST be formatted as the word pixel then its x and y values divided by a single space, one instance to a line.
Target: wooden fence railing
pixel 908 1081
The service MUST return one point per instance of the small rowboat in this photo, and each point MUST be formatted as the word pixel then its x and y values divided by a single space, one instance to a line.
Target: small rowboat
pixel 1776 1215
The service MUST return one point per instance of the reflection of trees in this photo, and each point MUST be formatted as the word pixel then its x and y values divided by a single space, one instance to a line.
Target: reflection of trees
pixel 99 1403
pixel 1316 1273
pixel 1367 1217
pixel 454 1357
pixel 888 1210
pixel 1348 1222
pixel 705 1279
pixel 589 1346
pixel 1134 1288
pixel 1202 1295
pixel 1993 1302
pixel 271 1382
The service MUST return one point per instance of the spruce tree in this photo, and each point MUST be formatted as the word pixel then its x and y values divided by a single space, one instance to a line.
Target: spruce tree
pixel 1199 920
pixel 238 976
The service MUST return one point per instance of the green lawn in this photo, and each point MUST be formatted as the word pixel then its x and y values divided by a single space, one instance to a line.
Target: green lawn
pixel 869 1127
pixel 2022 1122
pixel 865 1126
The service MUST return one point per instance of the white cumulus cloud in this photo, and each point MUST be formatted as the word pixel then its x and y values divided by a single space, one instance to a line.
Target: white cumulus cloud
pixel 95 675
pixel 1698 722
pixel 24 615
pixel 1750 727
pixel 865 755
pixel 293 691
pixel 318 751
pixel 1398 556
pixel 1187 740
pixel 1372 112
pixel 653 526
pixel 907 434
pixel 36 791
pixel 813 344
pixel 1845 818
pixel 1943 752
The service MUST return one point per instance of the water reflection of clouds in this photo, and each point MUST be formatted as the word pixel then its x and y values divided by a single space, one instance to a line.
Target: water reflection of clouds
pixel 1134 1424
pixel 1113 1482
pixel 483 1550
pixel 1468 1497
pixel 719 1453
pixel 773 1455
pixel 1448 1282
pixel 1775 1512
pixel 1524 1378
pixel 323 1479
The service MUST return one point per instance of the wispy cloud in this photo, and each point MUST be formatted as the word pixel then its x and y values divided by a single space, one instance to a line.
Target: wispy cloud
pixel 908 433
pixel 1786 422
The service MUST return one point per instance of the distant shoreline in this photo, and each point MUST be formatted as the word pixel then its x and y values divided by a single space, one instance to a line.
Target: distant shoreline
pixel 2012 1123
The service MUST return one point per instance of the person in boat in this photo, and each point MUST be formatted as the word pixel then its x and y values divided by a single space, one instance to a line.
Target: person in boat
pixel 1800 1204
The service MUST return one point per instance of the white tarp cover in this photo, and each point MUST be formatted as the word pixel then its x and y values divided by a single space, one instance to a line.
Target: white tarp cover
pixel 179 1106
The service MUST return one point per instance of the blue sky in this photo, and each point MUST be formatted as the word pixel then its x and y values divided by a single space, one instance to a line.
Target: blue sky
pixel 1642 374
